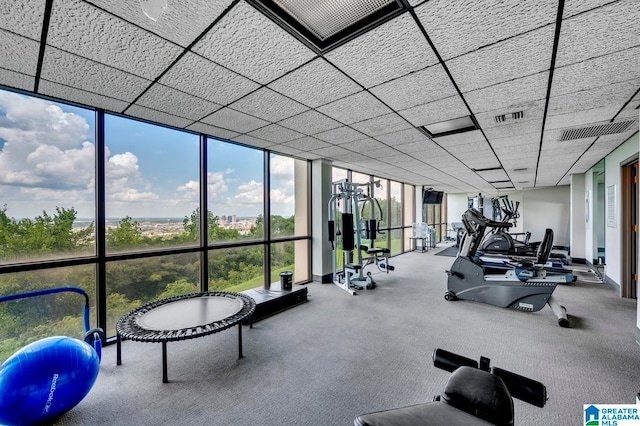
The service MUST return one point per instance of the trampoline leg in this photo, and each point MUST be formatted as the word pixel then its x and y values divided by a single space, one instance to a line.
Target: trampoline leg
pixel 118 349
pixel 165 378
pixel 239 340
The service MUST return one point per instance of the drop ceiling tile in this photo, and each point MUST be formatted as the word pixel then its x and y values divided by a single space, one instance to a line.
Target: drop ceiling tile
pixel 18 53
pixel 310 122
pixel 509 94
pixel 316 83
pixel 253 141
pixel 355 108
pixel 82 29
pixel 463 26
pixel 174 102
pixel 158 116
pixel 435 112
pixel 629 111
pixel 516 142
pixel 368 146
pixel 601 31
pixel 519 56
pixel 234 120
pixel 613 97
pixel 276 134
pixel 91 100
pixel 307 143
pixel 413 147
pixel 180 24
pixel 335 152
pixel 391 50
pixel 580 118
pixel 200 77
pixel 476 162
pixel 493 175
pixel 23 17
pixel 474 137
pixel 531 121
pixel 427 85
pixel 600 71
pixel 74 71
pixel 339 136
pixel 268 105
pixel 381 125
pixel 402 137
pixel 212 131
pixel 284 149
pixel 16 80
pixel 252 45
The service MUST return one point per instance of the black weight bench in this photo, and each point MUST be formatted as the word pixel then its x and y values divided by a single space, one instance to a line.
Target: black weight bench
pixel 471 397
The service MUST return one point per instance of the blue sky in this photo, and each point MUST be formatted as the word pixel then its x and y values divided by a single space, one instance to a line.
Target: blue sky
pixel 47 159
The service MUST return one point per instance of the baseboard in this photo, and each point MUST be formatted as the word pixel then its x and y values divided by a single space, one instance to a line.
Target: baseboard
pixel 324 279
pixel 612 284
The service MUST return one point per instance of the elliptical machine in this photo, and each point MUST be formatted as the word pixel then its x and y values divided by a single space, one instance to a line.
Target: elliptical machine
pixel 522 287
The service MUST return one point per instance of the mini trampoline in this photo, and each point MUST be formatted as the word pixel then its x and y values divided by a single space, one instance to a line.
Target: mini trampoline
pixel 184 317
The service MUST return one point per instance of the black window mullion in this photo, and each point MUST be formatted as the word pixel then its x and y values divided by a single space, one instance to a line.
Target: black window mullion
pixel 204 216
pixel 100 228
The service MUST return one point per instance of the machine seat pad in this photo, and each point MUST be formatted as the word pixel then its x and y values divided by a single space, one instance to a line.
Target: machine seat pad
pixel 430 413
pixel 378 250
pixel 354 266
pixel 480 393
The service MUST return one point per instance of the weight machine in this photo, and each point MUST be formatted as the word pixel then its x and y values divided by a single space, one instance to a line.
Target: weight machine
pixel 351 199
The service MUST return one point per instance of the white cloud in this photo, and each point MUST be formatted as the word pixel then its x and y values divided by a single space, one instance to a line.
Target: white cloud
pixel 249 192
pixel 281 167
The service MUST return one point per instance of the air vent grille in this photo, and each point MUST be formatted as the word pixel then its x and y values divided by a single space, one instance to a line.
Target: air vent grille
pixel 518 115
pixel 593 131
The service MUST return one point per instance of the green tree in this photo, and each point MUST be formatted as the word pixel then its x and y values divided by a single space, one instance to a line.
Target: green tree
pixel 44 234
pixel 191 226
pixel 126 234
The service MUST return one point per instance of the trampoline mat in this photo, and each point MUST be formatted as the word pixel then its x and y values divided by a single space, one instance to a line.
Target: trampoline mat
pixel 188 313
pixel 185 317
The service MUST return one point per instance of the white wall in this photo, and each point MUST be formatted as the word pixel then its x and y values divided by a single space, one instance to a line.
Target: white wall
pixel 457 204
pixel 545 208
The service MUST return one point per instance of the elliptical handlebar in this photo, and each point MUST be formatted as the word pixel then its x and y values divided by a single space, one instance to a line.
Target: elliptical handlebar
pixel 478 218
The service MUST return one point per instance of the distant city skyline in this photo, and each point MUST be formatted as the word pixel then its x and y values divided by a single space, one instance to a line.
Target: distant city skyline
pixel 47 160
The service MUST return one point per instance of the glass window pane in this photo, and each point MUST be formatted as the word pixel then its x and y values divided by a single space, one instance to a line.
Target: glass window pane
pixel 396 241
pixel 380 194
pixel 152 185
pixel 290 256
pixel 235 192
pixel 338 174
pixel 395 203
pixel 24 321
pixel 288 196
pixel 359 177
pixel 47 167
pixel 236 269
pixel 131 283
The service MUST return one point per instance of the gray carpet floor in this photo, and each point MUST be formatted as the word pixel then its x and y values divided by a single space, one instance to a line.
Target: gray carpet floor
pixel 337 356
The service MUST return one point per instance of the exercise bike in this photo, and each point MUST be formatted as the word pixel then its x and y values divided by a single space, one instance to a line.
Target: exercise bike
pixel 524 287
pixel 475 394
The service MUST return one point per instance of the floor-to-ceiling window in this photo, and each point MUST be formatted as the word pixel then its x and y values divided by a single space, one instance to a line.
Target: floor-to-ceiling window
pixel 114 205
pixel 47 216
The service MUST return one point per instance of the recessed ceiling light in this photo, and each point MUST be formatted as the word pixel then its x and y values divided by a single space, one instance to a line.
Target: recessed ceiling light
pixel 450 127
pixel 520 169
pixel 325 24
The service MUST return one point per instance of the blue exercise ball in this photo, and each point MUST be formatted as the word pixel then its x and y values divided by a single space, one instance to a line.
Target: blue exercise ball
pixel 46 379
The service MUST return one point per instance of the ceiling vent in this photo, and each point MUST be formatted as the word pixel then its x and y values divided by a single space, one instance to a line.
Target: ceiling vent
pixel 518 115
pixel 594 131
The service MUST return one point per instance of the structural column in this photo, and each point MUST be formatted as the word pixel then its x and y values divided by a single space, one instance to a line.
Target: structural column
pixel 321 177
